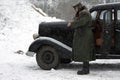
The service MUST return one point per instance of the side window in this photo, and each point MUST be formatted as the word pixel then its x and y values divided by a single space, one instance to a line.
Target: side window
pixel 102 14
pixel 107 17
pixel 118 15
pixel 94 14
pixel 104 11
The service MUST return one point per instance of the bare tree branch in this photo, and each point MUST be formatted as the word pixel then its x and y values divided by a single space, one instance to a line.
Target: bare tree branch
pixel 39 11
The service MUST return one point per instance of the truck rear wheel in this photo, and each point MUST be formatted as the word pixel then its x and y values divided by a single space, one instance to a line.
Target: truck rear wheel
pixel 47 58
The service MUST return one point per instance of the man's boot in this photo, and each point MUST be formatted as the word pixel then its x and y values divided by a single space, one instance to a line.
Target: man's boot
pixel 85 69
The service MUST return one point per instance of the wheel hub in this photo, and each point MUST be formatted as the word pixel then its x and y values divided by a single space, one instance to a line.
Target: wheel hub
pixel 48 57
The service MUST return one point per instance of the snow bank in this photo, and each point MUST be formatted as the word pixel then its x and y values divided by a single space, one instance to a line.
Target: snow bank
pixel 18 21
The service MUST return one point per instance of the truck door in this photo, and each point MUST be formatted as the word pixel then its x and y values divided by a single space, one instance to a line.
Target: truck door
pixel 117 32
pixel 106 35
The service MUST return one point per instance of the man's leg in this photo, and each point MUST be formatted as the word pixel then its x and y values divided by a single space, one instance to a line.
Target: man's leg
pixel 85 69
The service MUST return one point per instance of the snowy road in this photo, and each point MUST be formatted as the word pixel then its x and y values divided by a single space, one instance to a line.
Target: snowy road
pixel 18 21
pixel 21 67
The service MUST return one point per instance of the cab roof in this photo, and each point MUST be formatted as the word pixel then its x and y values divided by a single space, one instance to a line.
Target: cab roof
pixel 106 6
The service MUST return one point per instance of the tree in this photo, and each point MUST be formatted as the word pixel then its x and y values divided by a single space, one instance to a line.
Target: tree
pixel 110 1
pixel 63 8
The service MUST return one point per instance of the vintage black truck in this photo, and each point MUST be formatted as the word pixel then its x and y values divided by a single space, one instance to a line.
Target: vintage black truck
pixel 53 44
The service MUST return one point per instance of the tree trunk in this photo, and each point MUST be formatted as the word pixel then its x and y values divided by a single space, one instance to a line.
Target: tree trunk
pixel 108 1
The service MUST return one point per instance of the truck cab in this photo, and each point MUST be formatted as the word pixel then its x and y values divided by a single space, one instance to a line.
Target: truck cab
pixel 106 32
pixel 53 43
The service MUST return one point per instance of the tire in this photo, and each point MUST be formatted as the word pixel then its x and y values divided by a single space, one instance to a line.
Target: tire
pixel 47 58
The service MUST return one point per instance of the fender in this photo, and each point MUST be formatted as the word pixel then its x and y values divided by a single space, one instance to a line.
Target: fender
pixel 65 51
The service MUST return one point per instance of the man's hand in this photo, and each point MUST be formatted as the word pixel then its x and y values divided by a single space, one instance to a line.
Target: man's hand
pixel 69 24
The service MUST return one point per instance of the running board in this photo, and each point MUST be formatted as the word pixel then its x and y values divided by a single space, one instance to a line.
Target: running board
pixel 109 56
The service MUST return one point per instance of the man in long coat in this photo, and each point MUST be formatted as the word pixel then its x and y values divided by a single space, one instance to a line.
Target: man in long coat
pixel 83 37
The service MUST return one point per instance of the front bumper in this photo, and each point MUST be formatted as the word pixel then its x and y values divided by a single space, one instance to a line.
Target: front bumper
pixel 29 53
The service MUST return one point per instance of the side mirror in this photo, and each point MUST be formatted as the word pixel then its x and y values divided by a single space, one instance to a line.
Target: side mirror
pixel 107 18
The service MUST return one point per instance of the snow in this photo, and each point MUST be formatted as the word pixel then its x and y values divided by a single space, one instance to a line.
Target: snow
pixel 18 21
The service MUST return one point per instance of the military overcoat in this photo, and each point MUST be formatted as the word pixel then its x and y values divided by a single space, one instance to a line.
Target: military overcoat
pixel 83 37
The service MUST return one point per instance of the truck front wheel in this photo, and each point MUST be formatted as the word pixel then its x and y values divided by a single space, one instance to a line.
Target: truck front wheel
pixel 47 57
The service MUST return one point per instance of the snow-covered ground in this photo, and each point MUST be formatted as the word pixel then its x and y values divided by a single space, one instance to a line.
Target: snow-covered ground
pixel 18 21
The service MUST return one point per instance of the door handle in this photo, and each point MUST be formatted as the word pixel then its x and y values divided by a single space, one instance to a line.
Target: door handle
pixel 117 30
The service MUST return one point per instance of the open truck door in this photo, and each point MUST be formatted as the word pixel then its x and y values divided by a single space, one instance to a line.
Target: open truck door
pixel 106 35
